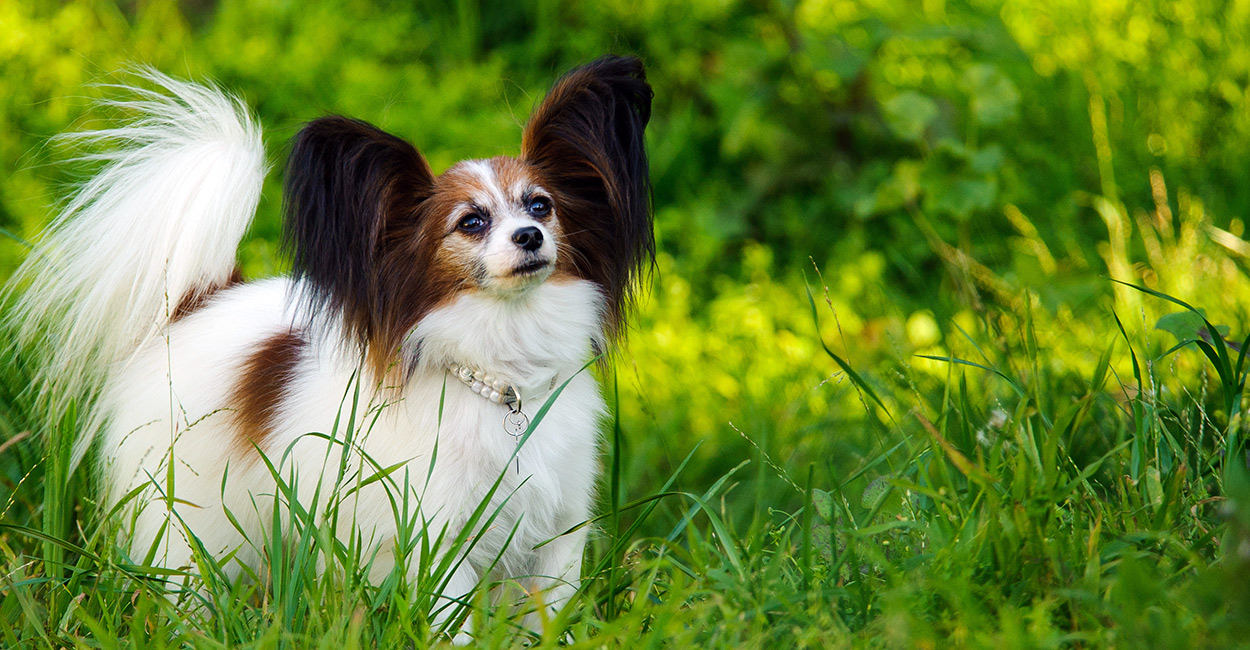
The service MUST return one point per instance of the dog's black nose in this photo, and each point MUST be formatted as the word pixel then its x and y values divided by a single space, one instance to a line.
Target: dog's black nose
pixel 528 238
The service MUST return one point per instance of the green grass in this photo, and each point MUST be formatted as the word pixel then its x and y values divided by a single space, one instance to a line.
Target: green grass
pixel 994 506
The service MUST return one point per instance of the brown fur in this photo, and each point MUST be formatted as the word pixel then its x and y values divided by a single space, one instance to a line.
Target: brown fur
pixel 354 198
pixel 264 380
pixel 426 262
pixel 193 300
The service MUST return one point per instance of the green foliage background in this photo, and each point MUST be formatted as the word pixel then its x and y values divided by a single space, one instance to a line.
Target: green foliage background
pixel 950 179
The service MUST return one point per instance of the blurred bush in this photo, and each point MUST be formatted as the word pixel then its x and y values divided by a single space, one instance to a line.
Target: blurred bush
pixel 818 128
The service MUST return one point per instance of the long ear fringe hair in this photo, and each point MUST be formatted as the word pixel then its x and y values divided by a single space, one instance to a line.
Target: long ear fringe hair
pixel 348 186
pixel 587 139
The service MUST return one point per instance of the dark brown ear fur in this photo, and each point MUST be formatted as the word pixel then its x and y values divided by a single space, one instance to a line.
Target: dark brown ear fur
pixel 352 191
pixel 586 140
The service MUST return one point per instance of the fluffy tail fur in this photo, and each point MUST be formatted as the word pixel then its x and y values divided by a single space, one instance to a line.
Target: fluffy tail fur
pixel 160 221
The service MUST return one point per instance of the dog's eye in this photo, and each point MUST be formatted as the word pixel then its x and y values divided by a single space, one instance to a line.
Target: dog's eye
pixel 539 207
pixel 472 223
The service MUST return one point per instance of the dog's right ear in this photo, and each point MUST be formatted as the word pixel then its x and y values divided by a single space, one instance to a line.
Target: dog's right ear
pixel 348 184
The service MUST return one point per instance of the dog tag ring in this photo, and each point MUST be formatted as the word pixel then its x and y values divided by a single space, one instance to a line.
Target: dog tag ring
pixel 515 423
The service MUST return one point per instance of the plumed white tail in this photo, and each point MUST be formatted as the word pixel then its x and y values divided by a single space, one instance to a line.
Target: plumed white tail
pixel 163 217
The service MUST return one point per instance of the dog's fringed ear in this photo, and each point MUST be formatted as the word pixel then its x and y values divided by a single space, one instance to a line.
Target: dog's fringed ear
pixel 586 139
pixel 348 184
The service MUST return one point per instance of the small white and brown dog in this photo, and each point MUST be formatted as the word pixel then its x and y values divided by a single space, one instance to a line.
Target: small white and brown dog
pixel 456 304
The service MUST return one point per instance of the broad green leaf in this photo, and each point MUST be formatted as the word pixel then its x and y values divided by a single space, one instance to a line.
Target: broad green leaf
pixel 909 114
pixel 994 98
pixel 824 504
pixel 963 198
pixel 875 492
pixel 1188 326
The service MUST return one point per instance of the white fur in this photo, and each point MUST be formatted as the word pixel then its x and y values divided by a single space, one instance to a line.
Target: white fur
pixel 177 190
pixel 166 215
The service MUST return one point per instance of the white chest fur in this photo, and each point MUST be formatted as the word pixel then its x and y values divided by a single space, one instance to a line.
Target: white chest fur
pixel 540 344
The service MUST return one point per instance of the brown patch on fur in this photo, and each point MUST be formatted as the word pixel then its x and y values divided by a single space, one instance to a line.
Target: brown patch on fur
pixel 461 183
pixel 193 300
pixel 517 177
pixel 513 182
pixel 513 175
pixel 264 380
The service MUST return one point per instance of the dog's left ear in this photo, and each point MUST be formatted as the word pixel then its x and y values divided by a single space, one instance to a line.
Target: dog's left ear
pixel 586 141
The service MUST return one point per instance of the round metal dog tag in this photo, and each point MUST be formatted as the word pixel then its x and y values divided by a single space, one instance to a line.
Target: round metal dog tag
pixel 515 423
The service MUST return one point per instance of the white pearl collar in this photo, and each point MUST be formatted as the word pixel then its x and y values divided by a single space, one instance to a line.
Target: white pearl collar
pixel 495 389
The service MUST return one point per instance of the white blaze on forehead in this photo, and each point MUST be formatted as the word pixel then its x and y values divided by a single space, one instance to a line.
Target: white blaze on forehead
pixel 487 192
pixel 499 183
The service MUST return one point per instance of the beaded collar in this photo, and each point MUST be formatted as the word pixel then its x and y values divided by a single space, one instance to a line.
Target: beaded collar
pixel 496 389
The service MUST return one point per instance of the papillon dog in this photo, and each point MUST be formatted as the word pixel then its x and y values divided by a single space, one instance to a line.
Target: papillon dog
pixel 427 322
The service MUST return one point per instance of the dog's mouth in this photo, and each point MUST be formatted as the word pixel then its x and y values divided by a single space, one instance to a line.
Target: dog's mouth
pixel 522 274
pixel 530 267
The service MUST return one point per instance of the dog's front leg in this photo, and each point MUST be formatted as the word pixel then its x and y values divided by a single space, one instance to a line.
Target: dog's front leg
pixel 455 598
pixel 557 575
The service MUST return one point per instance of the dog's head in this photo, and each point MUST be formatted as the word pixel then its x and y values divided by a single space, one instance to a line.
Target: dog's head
pixel 378 241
